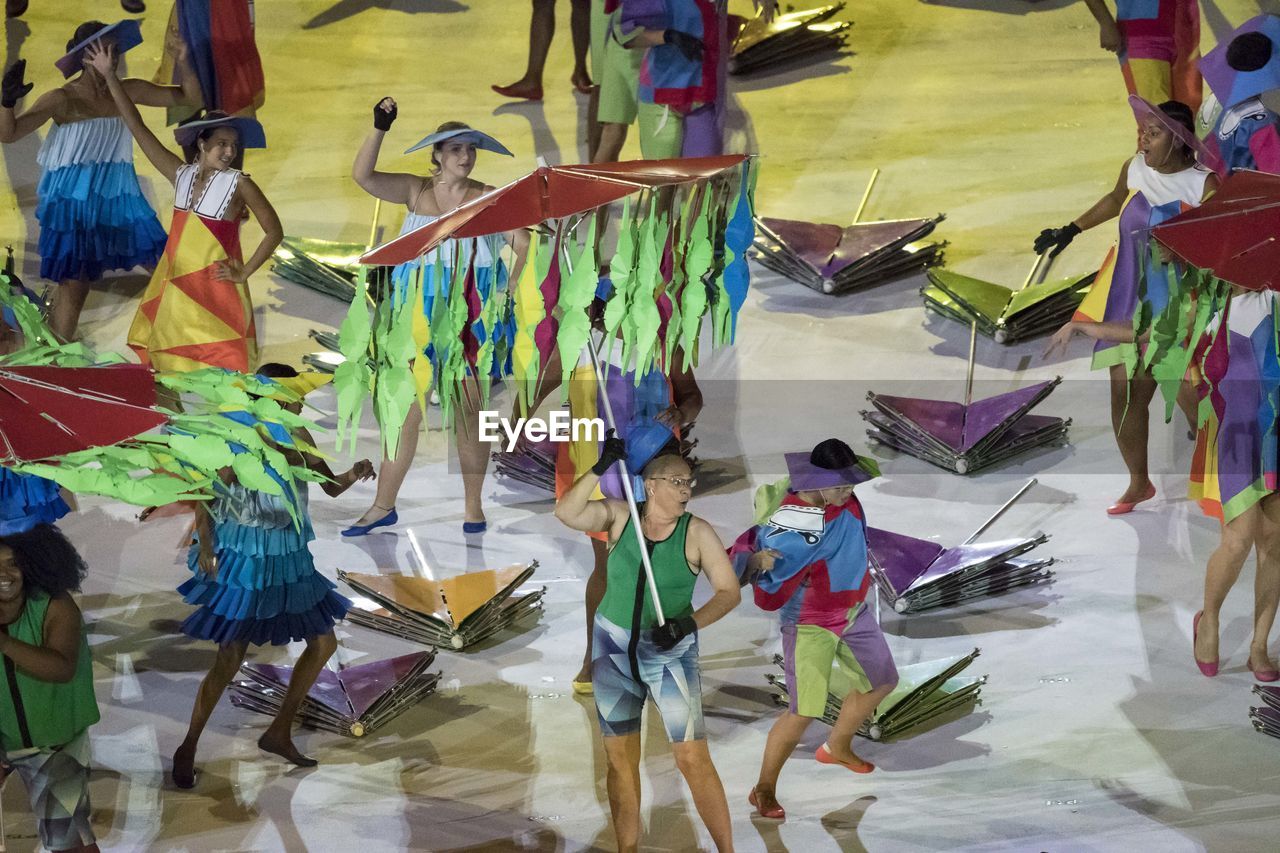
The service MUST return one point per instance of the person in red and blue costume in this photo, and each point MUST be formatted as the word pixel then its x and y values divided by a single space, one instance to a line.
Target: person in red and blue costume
pixel 808 563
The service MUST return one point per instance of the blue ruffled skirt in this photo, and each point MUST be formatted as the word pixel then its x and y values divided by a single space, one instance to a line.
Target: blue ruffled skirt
pixel 267 589
pixel 94 218
pixel 26 501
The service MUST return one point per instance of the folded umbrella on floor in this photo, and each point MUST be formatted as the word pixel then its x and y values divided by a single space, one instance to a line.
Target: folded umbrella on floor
pixel 928 694
pixel 835 259
pixel 455 613
pixel 532 463
pixel 327 359
pixel 803 35
pixel 1006 315
pixel 354 701
pixel 966 437
pixel 916 574
pixel 324 266
pixel 1266 719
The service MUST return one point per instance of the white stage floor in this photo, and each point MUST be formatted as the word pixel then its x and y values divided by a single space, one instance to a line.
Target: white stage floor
pixel 1095 732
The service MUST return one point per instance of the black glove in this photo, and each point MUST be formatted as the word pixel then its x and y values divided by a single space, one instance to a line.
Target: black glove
pixel 1056 237
pixel 673 631
pixel 381 118
pixel 690 46
pixel 12 88
pixel 614 449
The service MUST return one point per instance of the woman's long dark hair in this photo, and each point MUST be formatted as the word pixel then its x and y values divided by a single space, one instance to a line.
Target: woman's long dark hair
pixel 189 152
pixel 48 561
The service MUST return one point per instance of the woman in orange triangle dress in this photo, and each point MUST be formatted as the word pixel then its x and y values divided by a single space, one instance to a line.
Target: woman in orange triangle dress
pixel 196 311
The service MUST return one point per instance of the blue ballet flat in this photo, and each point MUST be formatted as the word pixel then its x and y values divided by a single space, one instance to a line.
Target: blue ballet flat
pixel 475 526
pixel 362 529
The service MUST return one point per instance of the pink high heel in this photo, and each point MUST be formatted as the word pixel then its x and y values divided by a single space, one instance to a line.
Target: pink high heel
pixel 1125 507
pixel 1206 669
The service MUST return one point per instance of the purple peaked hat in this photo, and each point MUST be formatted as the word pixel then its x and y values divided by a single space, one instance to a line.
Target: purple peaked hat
pixel 127 33
pixel 806 476
pixel 1144 109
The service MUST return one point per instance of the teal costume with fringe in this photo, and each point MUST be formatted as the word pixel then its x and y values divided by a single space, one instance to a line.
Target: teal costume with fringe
pixel 267 589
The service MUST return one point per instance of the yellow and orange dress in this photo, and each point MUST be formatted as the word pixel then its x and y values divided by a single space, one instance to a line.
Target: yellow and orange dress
pixel 189 318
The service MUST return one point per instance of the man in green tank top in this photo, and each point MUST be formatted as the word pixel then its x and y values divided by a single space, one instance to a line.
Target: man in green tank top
pixel 633 657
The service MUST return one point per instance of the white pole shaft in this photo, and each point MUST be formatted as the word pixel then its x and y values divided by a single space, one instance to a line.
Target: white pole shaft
pixel 866 196
pixel 973 352
pixel 992 520
pixel 626 485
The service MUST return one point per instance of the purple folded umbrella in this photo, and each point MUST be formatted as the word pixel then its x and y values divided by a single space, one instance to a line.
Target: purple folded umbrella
pixel 354 701
pixel 965 438
pixel 916 574
pixel 832 258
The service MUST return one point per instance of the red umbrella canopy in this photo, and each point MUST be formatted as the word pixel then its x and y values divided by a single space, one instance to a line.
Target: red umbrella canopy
pixel 1235 234
pixel 49 411
pixel 551 192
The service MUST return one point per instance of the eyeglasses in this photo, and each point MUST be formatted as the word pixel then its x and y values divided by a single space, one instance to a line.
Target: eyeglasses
pixel 678 482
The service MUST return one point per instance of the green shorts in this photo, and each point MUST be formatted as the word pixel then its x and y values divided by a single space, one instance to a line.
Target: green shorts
pixel 661 132
pixel 617 71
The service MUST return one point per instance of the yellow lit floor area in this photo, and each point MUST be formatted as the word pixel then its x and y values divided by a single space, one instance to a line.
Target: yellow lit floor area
pixel 1095 731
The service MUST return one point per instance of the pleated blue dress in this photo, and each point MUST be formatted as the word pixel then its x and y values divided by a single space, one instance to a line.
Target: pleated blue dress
pixel 267 589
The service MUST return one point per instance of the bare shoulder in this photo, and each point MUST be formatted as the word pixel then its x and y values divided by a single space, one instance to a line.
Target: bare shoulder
pixel 64 607
pixel 702 533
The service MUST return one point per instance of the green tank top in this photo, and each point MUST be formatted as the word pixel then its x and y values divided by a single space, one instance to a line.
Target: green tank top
pixel 626 583
pixel 35 713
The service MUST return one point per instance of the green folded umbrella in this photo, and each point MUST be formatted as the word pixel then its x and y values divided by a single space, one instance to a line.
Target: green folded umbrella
pixel 1004 314
pixel 928 694
pixel 326 266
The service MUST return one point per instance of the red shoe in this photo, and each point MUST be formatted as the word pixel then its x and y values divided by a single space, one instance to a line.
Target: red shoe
pixel 775 813
pixel 1263 674
pixel 512 91
pixel 1207 669
pixel 824 756
pixel 1125 507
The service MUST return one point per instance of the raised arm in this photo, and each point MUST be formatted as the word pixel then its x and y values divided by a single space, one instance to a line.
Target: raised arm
pixel 14 88
pixel 104 61
pixel 273 233
pixel 186 93
pixel 576 509
pixel 56 658
pixel 395 187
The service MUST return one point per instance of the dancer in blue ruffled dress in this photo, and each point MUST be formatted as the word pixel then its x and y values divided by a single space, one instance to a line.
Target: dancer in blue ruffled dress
pixel 26 501
pixel 93 216
pixel 254 581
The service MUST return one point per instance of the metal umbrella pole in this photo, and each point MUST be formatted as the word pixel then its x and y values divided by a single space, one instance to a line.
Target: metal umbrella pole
pixel 990 521
pixel 626 484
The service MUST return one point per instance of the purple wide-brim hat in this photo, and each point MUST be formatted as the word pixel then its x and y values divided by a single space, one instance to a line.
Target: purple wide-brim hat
pixel 1144 109
pixel 249 130
pixel 127 35
pixel 805 476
